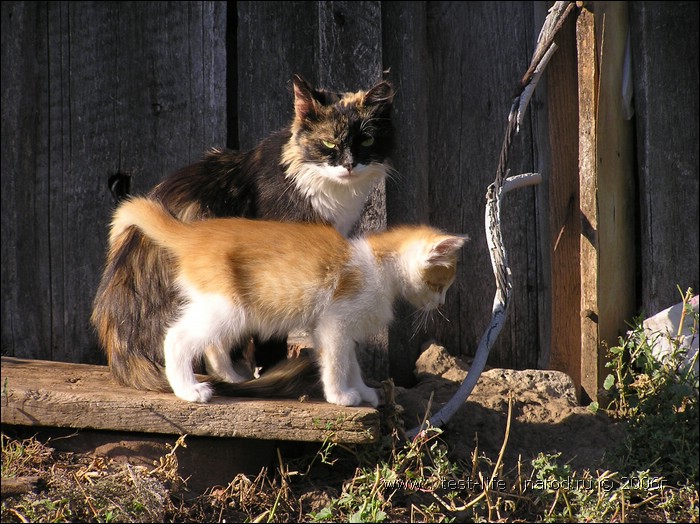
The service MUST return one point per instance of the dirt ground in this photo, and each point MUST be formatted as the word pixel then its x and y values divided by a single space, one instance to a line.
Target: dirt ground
pixel 546 416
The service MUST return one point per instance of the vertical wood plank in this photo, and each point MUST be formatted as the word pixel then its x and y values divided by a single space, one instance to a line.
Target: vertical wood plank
pixel 275 40
pixel 589 269
pixel 405 51
pixel 607 191
pixel 474 71
pixel 561 206
pixel 26 310
pixel 616 185
pixel 665 59
pixel 350 57
pixel 120 87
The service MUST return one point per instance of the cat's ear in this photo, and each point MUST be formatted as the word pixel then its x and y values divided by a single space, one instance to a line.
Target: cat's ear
pixel 304 101
pixel 443 251
pixel 382 93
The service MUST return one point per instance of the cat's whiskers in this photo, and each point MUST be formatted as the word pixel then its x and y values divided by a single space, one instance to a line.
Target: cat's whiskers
pixel 420 321
pixel 422 318
pixel 391 172
pixel 439 310
pixel 393 176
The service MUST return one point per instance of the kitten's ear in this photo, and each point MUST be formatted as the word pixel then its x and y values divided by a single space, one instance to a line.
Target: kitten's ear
pixel 381 93
pixel 304 101
pixel 443 251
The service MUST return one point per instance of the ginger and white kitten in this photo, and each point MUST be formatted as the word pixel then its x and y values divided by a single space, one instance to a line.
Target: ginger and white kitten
pixel 243 276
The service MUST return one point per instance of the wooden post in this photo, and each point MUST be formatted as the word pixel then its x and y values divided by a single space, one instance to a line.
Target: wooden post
pixel 607 261
pixel 561 207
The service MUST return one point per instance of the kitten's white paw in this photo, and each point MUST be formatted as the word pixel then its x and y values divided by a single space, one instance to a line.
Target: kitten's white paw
pixel 200 392
pixel 370 395
pixel 350 397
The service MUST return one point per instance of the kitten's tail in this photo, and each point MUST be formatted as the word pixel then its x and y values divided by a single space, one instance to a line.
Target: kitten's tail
pixel 151 218
pixel 290 378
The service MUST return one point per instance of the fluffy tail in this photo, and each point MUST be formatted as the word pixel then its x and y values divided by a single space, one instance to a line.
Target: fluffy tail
pixel 151 218
pixel 290 378
pixel 139 371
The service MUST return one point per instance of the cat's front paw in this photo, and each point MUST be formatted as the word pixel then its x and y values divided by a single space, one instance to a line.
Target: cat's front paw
pixel 370 395
pixel 200 392
pixel 350 397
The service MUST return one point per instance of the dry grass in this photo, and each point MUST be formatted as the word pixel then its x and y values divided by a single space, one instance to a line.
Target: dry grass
pixel 396 482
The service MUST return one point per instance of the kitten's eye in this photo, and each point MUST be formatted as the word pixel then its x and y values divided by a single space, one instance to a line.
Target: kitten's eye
pixel 329 145
pixel 368 141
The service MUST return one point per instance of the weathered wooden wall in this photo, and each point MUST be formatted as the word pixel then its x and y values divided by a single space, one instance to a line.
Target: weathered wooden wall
pixel 665 59
pixel 92 89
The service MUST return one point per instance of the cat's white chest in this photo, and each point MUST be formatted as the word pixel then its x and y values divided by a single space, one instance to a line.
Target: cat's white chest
pixel 336 195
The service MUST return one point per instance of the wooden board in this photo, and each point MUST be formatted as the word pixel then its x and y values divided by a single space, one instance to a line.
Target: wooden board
pixel 94 89
pixel 606 171
pixel 666 102
pixel 588 270
pixel 407 192
pixel 561 204
pixel 478 53
pixel 41 393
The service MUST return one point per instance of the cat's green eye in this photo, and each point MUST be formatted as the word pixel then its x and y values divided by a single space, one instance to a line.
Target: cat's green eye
pixel 329 145
pixel 368 141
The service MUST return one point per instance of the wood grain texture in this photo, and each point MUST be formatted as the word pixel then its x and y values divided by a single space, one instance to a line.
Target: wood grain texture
pixel 562 206
pixel 475 69
pixel 589 262
pixel 615 185
pixel 607 191
pixel 275 41
pixel 101 88
pixel 26 296
pixel 406 50
pixel 42 393
pixel 665 57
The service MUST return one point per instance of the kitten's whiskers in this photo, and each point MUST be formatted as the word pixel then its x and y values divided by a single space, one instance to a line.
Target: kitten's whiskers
pixel 420 322
pixel 421 319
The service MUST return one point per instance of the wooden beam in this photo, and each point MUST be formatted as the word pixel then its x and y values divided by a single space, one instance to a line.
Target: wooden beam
pixel 607 189
pixel 58 394
pixel 588 262
pixel 561 207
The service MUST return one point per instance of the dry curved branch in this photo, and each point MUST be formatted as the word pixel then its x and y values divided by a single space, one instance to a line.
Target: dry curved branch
pixel 501 185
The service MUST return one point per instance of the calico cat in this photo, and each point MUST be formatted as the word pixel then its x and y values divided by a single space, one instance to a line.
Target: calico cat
pixel 241 276
pixel 321 168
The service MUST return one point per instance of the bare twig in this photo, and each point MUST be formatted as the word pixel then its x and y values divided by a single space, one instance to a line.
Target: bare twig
pixel 502 184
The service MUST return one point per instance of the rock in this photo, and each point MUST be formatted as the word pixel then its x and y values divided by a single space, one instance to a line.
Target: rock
pixel 437 362
pixel 662 330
